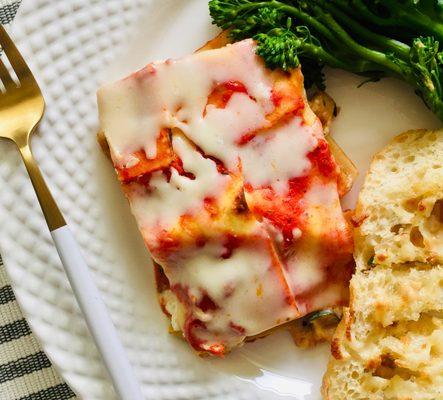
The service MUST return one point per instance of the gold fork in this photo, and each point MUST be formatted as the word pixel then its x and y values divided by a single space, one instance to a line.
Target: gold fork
pixel 21 109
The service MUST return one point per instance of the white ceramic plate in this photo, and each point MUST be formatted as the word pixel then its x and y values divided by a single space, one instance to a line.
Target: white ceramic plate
pixel 72 46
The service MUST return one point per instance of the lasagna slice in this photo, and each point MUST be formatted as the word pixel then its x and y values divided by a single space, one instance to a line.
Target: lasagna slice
pixel 234 190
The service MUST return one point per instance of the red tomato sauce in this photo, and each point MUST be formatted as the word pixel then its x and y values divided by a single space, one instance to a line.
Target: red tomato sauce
pixel 284 212
pixel 207 304
pixel 230 244
pixel 193 325
pixel 210 205
pixel 237 328
pixel 276 97
pixel 223 92
pixel 322 158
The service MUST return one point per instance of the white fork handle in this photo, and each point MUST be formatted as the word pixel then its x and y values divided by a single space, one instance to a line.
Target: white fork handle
pixel 96 315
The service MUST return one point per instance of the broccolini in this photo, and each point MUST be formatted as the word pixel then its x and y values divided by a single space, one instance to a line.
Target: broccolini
pixel 373 38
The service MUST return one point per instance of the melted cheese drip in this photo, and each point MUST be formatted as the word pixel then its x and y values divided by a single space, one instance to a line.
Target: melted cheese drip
pixel 174 94
pixel 283 150
pixel 166 201
pixel 218 132
pixel 248 278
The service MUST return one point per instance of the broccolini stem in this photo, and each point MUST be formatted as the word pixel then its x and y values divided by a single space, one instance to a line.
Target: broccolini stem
pixel 318 53
pixel 368 54
pixel 306 18
pixel 420 22
pixel 294 12
pixel 399 48
pixel 364 12
pixel 410 19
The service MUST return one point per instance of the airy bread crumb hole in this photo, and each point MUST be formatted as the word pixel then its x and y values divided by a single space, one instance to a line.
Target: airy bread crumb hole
pixel 434 224
pixel 388 369
pixel 399 227
pixel 416 237
pixel 410 205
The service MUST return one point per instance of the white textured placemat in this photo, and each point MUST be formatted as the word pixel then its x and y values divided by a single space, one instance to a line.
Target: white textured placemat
pixel 25 371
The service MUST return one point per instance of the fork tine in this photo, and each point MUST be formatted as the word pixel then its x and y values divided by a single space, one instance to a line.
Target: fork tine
pixel 15 58
pixel 5 77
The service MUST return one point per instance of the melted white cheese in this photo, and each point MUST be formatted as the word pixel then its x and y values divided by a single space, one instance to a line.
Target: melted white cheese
pixel 279 154
pixel 174 94
pixel 164 202
pixel 246 289
pixel 220 130
pixel 306 266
